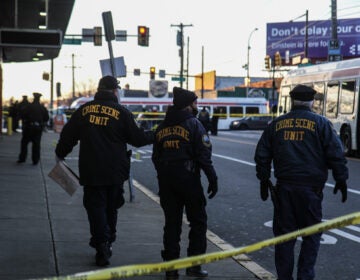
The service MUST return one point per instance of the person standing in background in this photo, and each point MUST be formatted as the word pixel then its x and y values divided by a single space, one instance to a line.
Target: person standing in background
pixel 34 116
pixel 22 105
pixel 215 121
pixel 204 118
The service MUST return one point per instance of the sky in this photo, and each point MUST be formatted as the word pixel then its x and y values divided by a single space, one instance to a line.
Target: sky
pixel 222 29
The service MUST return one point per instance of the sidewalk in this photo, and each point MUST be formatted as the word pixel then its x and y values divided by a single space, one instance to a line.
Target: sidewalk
pixel 44 232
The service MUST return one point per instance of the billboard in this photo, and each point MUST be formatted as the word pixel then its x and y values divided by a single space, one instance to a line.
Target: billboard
pixel 209 81
pixel 289 38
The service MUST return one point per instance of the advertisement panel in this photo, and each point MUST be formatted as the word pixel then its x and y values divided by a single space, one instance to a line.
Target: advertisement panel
pixel 209 81
pixel 289 38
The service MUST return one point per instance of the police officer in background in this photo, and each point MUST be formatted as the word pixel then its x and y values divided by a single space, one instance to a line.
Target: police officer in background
pixel 103 127
pixel 303 146
pixel 181 149
pixel 34 117
pixel 204 118
pixel 22 105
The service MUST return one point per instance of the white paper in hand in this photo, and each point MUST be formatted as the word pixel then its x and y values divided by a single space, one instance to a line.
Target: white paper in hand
pixel 65 177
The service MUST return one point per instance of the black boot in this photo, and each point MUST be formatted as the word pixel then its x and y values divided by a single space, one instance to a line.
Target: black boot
pixel 172 275
pixel 196 271
pixel 103 254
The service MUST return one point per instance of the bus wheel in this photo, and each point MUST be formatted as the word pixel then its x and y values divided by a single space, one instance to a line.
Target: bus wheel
pixel 346 140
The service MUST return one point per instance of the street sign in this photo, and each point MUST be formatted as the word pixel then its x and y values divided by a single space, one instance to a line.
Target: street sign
pixel 336 57
pixel 120 67
pixel 88 34
pixel 121 35
pixel 137 72
pixel 72 41
pixel 162 73
pixel 178 79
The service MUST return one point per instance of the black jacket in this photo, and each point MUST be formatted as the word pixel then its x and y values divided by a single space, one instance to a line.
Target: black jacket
pixel 34 112
pixel 303 146
pixel 103 127
pixel 180 138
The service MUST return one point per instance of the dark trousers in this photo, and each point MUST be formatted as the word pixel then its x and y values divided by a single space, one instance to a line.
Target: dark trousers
pixel 102 204
pixel 181 189
pixel 298 207
pixel 31 134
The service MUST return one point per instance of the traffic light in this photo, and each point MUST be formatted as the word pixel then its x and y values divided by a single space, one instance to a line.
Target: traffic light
pixel 97 36
pixel 46 76
pixel 277 59
pixel 143 36
pixel 267 62
pixel 108 26
pixel 58 89
pixel 152 73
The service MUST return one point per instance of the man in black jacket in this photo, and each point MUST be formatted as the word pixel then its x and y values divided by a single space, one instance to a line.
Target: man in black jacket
pixel 181 149
pixel 303 146
pixel 103 127
pixel 34 117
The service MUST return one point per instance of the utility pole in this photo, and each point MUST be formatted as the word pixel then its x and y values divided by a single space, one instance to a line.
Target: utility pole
pixel 306 47
pixel 180 43
pixel 306 34
pixel 52 85
pixel 202 72
pixel 73 74
pixel 248 81
pixel 187 63
pixel 333 21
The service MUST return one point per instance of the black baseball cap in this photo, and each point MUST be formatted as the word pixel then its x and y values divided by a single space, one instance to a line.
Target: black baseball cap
pixel 302 93
pixel 108 82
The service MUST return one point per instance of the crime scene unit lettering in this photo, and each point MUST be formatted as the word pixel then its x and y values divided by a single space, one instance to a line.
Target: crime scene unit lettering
pixel 300 125
pixel 99 114
pixel 170 132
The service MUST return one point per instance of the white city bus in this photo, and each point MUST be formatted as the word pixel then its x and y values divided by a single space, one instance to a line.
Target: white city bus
pixel 152 109
pixel 337 86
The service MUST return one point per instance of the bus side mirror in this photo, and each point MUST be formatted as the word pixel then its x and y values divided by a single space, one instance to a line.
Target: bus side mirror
pixel 280 109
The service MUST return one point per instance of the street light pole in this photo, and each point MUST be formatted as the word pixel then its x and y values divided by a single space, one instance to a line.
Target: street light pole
pixel 248 62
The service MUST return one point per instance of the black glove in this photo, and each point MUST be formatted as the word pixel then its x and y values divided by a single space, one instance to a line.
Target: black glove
pixel 343 188
pixel 212 189
pixel 264 189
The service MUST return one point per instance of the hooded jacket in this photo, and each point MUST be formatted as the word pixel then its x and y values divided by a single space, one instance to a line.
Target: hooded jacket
pixel 181 138
pixel 103 127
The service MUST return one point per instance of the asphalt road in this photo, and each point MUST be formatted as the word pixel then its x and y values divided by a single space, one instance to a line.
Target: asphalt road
pixel 240 217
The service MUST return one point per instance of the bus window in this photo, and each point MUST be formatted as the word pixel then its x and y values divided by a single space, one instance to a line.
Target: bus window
pixel 236 112
pixel 332 97
pixel 252 110
pixel 222 112
pixel 318 106
pixel 347 99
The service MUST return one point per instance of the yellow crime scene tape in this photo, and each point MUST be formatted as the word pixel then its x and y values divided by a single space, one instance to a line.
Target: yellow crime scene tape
pixel 143 269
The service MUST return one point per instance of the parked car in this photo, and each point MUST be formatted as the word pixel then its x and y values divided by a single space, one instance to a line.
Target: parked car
pixel 253 122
